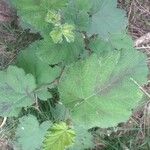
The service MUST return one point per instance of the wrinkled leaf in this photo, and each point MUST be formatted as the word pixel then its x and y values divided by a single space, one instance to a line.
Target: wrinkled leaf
pixel 33 12
pixel 65 30
pixel 105 22
pixel 60 113
pixel 59 137
pixel 16 91
pixel 30 134
pixel 83 139
pixel 99 90
pixel 117 41
pixel 53 17
pixel 61 52
pixel 42 72
pixel 73 14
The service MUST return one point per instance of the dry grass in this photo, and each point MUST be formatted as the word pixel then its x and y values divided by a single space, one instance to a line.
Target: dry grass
pixel 138 12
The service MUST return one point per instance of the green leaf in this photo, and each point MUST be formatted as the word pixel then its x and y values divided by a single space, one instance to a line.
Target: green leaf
pixel 83 139
pixel 60 113
pixel 59 137
pixel 61 52
pixel 120 41
pixel 43 93
pixel 104 22
pixel 99 90
pixel 30 134
pixel 54 4
pixel 53 17
pixel 115 42
pixel 34 12
pixel 73 14
pixel 56 35
pixel 42 72
pixel 16 91
pixel 65 30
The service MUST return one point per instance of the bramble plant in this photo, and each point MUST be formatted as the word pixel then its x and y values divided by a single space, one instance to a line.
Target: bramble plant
pixel 87 58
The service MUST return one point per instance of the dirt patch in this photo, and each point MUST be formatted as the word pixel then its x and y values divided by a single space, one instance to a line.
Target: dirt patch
pixel 7 14
pixel 5 145
pixel 138 12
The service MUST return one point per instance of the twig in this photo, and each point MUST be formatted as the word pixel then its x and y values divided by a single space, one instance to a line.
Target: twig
pixel 143 47
pixel 3 123
pixel 140 87
pixel 145 39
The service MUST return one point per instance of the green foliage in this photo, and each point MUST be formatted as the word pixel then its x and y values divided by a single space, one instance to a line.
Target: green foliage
pixel 108 19
pixel 87 56
pixel 30 134
pixel 83 140
pixel 65 30
pixel 73 14
pixel 59 137
pixel 33 12
pixel 16 91
pixel 98 89
pixel 118 41
pixel 42 72
pixel 63 52
pixel 53 17
pixel 60 113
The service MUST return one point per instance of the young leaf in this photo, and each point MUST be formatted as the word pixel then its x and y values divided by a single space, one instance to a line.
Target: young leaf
pixel 30 134
pixel 16 91
pixel 56 35
pixel 65 30
pixel 99 91
pixel 53 17
pixel 65 52
pixel 59 137
pixel 104 22
pixel 34 12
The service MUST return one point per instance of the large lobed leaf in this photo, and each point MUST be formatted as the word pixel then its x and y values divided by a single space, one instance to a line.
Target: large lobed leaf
pixel 16 91
pixel 93 16
pixel 42 72
pixel 108 19
pixel 30 134
pixel 99 90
